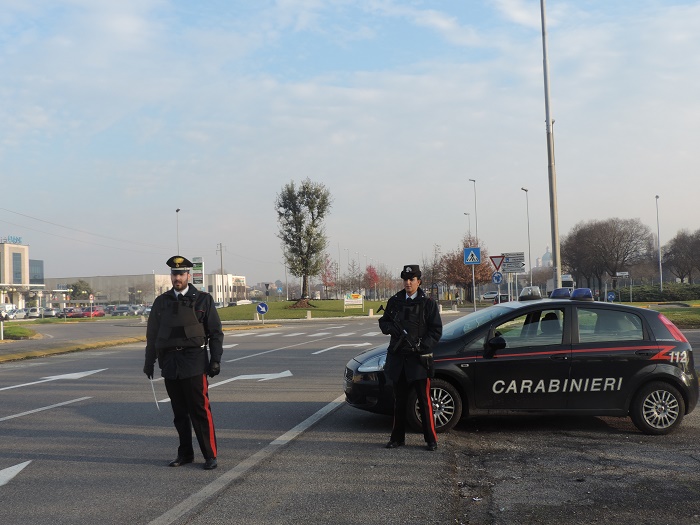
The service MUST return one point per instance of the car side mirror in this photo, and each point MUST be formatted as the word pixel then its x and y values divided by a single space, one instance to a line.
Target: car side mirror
pixel 493 345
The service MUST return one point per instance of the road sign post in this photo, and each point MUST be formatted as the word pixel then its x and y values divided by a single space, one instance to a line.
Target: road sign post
pixel 472 256
pixel 262 310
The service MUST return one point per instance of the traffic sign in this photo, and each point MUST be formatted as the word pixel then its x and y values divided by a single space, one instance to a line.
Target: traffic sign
pixel 514 256
pixel 497 260
pixel 472 256
pixel 611 297
pixel 497 277
pixel 512 267
pixel 262 308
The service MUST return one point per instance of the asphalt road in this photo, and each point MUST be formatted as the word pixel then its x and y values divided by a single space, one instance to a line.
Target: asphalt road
pixel 94 448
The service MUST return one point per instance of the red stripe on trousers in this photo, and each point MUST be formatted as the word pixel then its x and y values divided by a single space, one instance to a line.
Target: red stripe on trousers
pixel 210 419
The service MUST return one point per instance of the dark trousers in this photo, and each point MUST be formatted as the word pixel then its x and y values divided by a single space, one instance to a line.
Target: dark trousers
pixel 401 390
pixel 189 398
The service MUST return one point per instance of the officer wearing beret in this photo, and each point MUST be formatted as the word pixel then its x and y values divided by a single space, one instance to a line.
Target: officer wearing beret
pixel 182 325
pixel 413 321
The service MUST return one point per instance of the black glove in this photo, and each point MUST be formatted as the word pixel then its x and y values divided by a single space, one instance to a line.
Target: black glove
pixel 148 370
pixel 214 369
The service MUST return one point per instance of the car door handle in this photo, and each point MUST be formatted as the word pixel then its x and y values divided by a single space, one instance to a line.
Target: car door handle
pixel 646 353
pixel 559 357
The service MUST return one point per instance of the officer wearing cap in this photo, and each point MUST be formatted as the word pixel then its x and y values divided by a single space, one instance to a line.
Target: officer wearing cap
pixel 182 325
pixel 413 321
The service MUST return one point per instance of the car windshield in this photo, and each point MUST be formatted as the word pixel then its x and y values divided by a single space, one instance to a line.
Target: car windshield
pixel 461 326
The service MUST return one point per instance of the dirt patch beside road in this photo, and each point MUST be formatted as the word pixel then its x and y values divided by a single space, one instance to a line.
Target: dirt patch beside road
pixel 513 471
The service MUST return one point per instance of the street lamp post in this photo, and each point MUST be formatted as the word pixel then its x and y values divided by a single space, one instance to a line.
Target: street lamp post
pixel 177 229
pixel 529 253
pixel 658 241
pixel 476 214
pixel 469 219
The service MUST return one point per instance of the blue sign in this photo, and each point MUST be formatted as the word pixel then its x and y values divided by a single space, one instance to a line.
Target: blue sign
pixel 472 256
pixel 611 297
pixel 262 308
pixel 497 277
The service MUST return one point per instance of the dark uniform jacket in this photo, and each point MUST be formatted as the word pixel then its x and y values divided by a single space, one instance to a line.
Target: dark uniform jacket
pixel 421 319
pixel 179 332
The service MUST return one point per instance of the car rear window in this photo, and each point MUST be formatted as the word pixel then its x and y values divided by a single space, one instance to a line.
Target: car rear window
pixel 608 325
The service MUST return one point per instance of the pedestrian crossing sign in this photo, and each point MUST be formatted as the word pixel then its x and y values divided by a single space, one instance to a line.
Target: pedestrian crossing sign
pixel 472 256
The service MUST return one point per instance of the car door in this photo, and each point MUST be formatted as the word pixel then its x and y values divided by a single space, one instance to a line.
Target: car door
pixel 610 347
pixel 531 368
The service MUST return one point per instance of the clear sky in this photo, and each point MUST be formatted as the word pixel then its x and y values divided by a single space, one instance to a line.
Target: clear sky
pixel 115 114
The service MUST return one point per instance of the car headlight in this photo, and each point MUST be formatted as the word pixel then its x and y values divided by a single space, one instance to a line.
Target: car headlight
pixel 376 364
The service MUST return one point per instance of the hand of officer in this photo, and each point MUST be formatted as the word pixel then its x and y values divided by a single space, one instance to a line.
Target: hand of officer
pixel 214 369
pixel 148 370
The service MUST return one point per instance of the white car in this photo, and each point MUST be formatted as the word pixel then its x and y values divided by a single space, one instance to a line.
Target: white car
pixel 489 296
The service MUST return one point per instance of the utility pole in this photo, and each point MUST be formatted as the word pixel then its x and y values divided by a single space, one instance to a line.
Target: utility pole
pixel 220 250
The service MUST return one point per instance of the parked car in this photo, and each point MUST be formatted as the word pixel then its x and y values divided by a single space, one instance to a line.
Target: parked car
pixel 50 312
pixel 489 296
pixel 550 356
pixel 147 311
pixel 70 313
pixel 94 311
pixel 17 314
pixel 122 309
pixel 504 298
pixel 35 312
pixel 109 309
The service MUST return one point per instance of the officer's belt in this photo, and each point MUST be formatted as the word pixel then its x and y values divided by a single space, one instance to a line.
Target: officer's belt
pixel 180 348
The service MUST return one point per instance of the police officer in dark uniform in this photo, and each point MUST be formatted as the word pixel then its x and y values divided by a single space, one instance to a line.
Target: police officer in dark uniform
pixel 182 324
pixel 413 321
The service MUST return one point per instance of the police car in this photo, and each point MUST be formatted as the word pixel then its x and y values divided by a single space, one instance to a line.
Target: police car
pixel 568 355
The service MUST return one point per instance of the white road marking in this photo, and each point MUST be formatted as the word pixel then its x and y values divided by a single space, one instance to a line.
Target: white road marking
pixel 270 334
pixel 293 334
pixel 230 346
pixel 259 377
pixel 346 334
pixel 10 472
pixel 230 476
pixel 44 408
pixel 371 334
pixel 76 375
pixel 340 346
pixel 319 334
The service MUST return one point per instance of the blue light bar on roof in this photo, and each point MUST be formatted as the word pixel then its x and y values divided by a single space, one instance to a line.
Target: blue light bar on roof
pixel 560 293
pixel 582 294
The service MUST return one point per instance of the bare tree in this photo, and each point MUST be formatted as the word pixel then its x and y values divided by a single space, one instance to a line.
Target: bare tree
pixel 681 254
pixel 300 213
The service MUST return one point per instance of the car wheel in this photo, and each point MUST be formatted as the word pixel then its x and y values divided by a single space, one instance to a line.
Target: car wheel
pixel 447 406
pixel 657 408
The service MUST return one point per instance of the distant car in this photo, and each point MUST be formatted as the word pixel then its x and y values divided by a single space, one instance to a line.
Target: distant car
pixel 109 309
pixel 50 312
pixel 34 312
pixel 240 302
pixel 16 314
pixel 147 311
pixel 95 311
pixel 70 313
pixel 489 296
pixel 122 309
pixel 504 298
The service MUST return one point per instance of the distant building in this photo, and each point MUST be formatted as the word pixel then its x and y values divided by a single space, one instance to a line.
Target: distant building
pixel 21 279
pixel 545 261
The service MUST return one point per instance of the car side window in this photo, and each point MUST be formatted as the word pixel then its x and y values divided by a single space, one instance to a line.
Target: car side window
pixel 537 328
pixel 608 325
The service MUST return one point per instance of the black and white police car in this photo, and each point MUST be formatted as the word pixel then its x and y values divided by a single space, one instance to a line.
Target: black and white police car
pixel 567 355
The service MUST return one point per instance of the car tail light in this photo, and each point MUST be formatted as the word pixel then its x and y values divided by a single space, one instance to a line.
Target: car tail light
pixel 675 332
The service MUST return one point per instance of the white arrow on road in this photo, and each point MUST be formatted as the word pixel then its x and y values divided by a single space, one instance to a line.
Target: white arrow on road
pixel 340 346
pixel 7 474
pixel 76 375
pixel 259 377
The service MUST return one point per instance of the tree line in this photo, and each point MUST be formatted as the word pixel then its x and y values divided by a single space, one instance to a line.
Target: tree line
pixel 594 252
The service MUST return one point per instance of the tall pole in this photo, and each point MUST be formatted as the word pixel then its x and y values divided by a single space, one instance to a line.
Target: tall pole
pixel 177 229
pixel 658 241
pixel 476 214
pixel 529 253
pixel 470 224
pixel 220 249
pixel 553 211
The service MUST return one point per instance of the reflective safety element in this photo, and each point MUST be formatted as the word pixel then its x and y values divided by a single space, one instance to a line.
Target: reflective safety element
pixel 552 386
